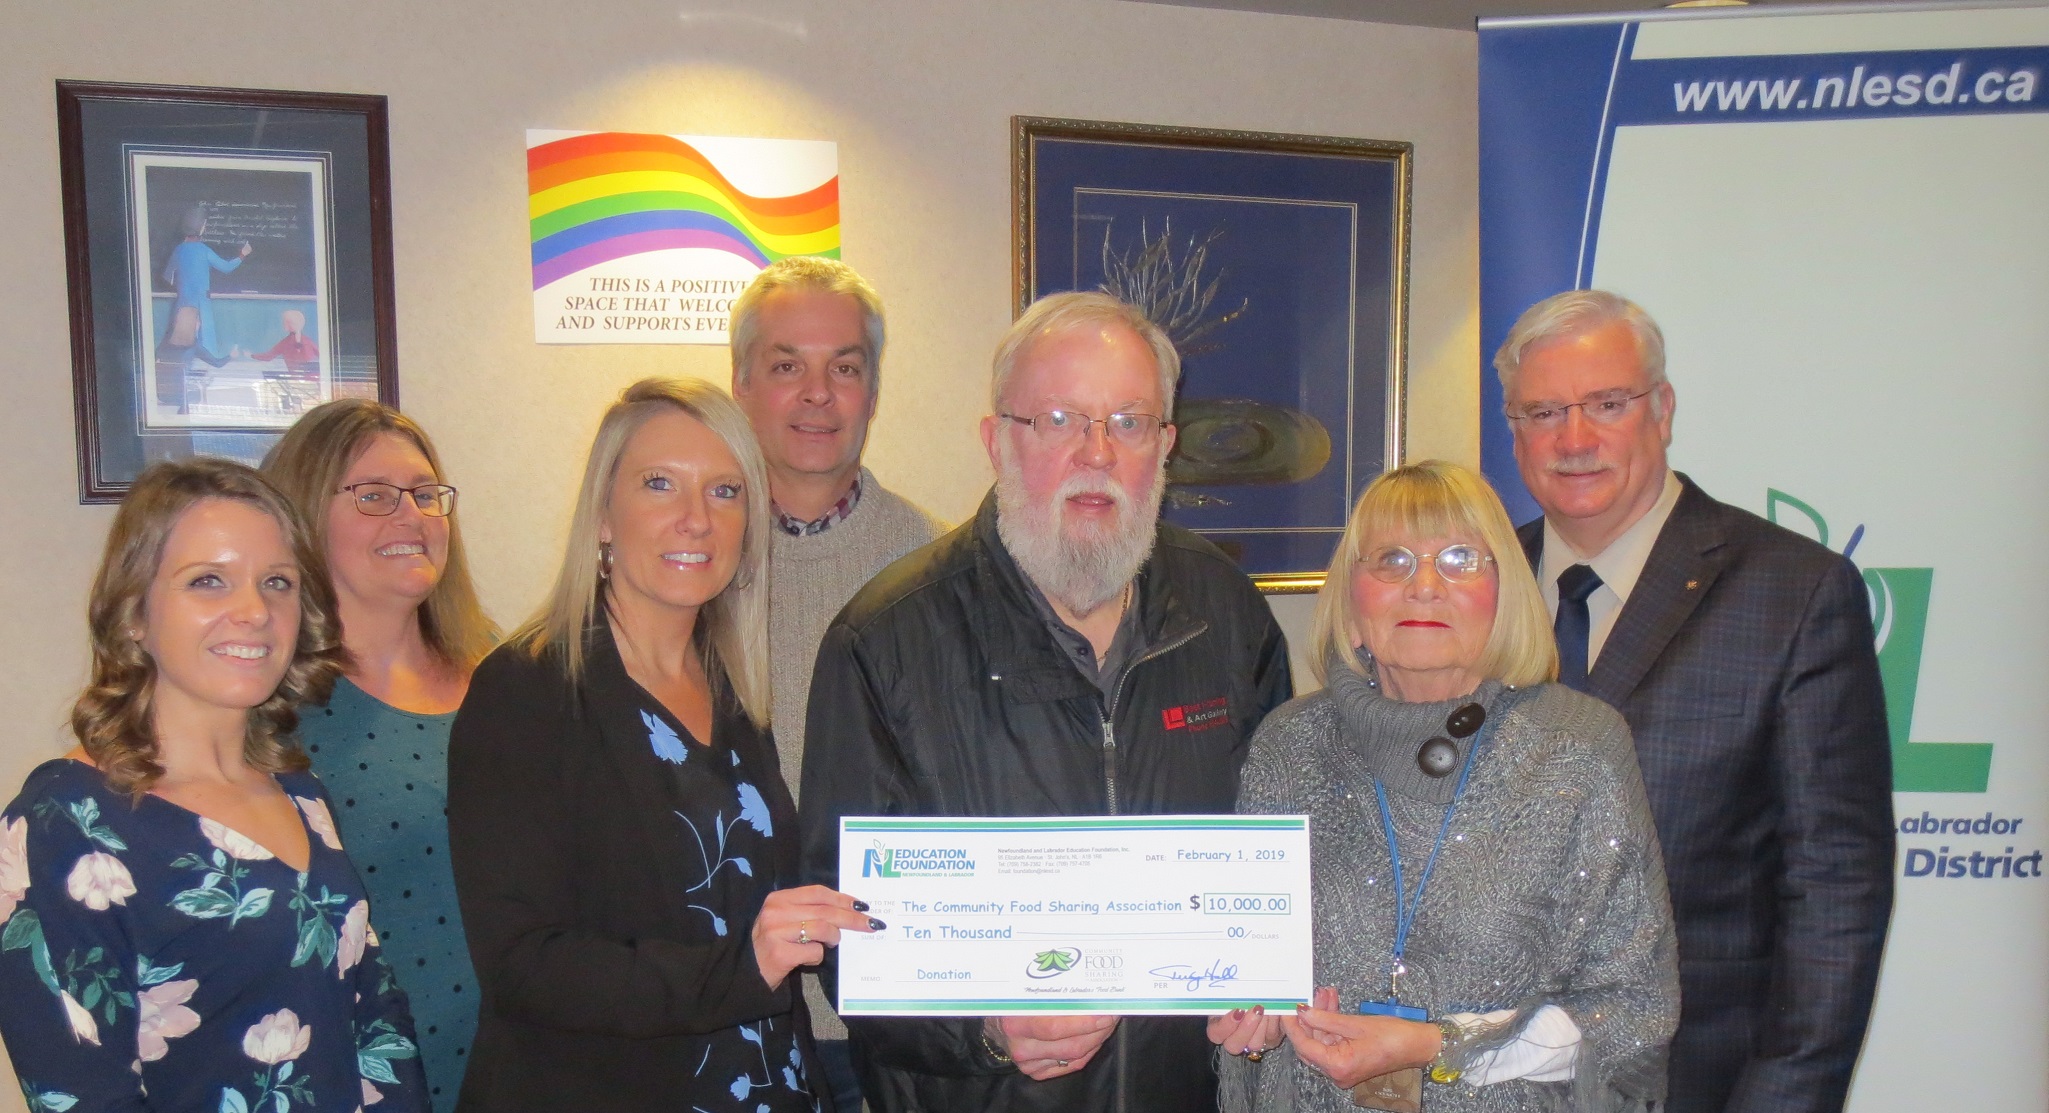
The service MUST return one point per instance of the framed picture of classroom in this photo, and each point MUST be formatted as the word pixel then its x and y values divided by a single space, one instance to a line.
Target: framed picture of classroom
pixel 1278 265
pixel 229 258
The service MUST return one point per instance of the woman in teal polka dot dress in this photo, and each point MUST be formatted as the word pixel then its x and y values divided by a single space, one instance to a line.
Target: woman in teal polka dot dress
pixel 370 485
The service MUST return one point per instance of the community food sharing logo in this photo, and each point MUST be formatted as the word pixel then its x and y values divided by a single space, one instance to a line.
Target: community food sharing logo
pixel 1052 963
pixel 1899 613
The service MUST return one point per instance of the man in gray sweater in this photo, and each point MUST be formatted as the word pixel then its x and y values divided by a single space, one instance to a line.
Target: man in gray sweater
pixel 807 356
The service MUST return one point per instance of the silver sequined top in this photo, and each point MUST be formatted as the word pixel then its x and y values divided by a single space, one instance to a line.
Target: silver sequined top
pixel 1550 888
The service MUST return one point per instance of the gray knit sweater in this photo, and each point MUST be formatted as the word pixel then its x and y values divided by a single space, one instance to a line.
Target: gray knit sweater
pixel 810 579
pixel 1550 888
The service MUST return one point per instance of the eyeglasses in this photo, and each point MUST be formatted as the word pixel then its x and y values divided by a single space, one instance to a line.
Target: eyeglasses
pixel 1458 564
pixel 1604 408
pixel 1062 427
pixel 380 500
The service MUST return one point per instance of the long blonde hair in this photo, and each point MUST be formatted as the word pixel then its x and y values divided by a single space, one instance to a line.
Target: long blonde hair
pixel 1437 498
pixel 115 716
pixel 308 465
pixel 732 629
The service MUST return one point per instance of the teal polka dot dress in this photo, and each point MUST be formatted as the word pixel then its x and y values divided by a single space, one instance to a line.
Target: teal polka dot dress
pixel 387 773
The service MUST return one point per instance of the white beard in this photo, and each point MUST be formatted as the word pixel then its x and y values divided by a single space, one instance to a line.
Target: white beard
pixel 1079 564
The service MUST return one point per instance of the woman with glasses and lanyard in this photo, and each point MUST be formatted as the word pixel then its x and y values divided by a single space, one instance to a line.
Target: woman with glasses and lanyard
pixel 370 487
pixel 1492 930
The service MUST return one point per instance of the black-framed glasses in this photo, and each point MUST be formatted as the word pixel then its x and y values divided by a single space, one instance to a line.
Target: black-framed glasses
pixel 1061 427
pixel 1458 564
pixel 380 500
pixel 1602 408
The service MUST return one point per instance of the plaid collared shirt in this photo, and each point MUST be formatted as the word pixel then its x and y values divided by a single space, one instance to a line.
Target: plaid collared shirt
pixel 840 510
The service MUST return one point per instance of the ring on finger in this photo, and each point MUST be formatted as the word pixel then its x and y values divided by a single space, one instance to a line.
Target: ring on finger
pixel 1252 1056
pixel 803 931
pixel 1060 1062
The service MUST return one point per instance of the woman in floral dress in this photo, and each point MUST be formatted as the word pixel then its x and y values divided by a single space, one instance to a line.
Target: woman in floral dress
pixel 182 929
pixel 620 825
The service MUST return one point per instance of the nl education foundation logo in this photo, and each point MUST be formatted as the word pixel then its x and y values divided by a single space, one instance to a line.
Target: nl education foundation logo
pixel 921 861
pixel 1899 612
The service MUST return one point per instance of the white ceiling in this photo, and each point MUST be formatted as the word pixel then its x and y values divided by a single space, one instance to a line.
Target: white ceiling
pixel 1433 13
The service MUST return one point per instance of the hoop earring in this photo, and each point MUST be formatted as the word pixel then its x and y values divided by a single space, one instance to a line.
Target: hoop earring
pixel 604 560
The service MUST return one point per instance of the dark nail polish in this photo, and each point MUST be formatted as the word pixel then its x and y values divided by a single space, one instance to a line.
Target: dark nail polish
pixel 860 906
pixel 875 924
pixel 1259 1010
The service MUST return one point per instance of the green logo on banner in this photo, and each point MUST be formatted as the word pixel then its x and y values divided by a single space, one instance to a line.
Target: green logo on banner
pixel 1899 611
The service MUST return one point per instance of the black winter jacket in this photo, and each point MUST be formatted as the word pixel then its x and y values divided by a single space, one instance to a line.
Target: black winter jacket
pixel 939 691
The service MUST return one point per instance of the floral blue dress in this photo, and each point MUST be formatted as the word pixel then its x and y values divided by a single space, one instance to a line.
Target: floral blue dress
pixel 153 959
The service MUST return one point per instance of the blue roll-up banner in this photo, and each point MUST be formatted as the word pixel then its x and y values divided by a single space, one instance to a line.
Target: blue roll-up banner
pixel 1841 219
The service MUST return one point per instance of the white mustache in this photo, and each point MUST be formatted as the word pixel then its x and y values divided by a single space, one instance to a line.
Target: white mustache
pixel 1087 484
pixel 1586 463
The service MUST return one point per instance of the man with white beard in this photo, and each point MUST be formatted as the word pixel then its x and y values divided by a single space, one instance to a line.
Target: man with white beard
pixel 1063 653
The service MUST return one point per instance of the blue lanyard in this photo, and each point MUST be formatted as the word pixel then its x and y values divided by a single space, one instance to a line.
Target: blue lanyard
pixel 1405 906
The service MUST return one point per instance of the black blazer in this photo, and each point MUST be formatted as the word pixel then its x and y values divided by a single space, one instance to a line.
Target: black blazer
pixel 1744 664
pixel 567 867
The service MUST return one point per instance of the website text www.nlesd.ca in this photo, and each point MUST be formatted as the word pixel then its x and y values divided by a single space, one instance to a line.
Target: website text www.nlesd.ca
pixel 1862 87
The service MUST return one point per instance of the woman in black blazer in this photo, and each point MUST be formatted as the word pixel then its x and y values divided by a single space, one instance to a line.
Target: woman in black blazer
pixel 620 830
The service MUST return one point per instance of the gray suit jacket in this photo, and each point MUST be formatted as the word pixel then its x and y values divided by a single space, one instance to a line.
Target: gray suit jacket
pixel 1745 667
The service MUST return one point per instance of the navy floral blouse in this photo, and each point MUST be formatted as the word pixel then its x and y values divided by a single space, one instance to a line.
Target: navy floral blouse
pixel 153 959
pixel 726 822
pixel 610 868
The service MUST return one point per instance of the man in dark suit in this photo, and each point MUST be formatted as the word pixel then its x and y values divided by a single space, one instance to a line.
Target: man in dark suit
pixel 1741 654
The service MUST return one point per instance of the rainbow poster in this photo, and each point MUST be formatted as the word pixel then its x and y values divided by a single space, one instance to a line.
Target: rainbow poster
pixel 646 239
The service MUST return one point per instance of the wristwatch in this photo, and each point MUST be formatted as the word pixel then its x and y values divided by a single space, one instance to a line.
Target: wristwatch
pixel 1454 1036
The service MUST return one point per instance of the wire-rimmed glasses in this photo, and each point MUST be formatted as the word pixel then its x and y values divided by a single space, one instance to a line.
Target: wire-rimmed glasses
pixel 1602 408
pixel 1061 427
pixel 380 500
pixel 1458 564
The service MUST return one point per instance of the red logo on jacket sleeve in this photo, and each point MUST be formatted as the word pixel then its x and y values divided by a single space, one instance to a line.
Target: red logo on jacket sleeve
pixel 1207 715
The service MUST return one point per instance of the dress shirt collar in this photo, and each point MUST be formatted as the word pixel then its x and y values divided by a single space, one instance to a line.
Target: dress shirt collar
pixel 1621 563
pixel 840 510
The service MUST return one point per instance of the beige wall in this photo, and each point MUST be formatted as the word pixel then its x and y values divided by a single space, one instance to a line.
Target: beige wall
pixel 918 96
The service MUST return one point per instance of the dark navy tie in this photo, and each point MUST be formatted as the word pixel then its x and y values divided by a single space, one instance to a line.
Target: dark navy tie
pixel 1572 625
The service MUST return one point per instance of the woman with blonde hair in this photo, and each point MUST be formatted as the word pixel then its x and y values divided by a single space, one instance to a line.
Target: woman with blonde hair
pixel 1490 907
pixel 182 928
pixel 620 825
pixel 374 496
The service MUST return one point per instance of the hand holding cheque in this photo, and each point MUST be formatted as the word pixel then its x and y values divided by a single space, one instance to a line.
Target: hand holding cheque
pixel 797 925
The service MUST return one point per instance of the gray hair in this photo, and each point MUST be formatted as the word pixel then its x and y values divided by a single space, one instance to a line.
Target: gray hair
pixel 1574 313
pixel 1056 313
pixel 806 272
